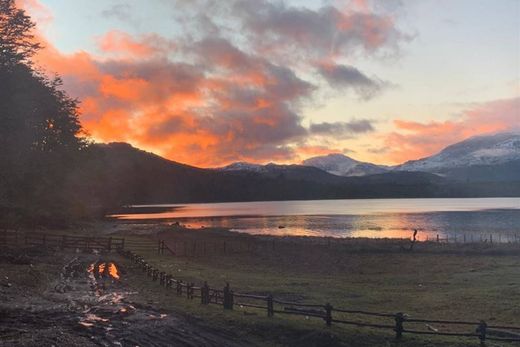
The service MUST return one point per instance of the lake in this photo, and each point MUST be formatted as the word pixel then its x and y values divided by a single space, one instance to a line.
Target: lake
pixel 473 219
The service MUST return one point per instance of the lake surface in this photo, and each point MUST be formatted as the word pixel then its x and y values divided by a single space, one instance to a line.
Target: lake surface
pixel 472 219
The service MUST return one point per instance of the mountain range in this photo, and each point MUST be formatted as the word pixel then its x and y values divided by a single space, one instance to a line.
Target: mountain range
pixel 480 158
pixel 478 167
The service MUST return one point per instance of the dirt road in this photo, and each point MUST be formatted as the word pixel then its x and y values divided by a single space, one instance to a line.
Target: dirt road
pixel 76 299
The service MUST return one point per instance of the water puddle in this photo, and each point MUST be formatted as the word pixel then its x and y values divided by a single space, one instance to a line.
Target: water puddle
pixel 104 270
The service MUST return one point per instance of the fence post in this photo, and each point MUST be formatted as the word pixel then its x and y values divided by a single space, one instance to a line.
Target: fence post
pixel 481 331
pixel 270 306
pixel 491 238
pixel 399 319
pixel 188 290
pixel 204 293
pixel 328 314
pixel 228 298
pixel 437 237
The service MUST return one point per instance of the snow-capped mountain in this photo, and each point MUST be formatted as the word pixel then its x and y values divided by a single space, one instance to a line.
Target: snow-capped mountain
pixel 292 171
pixel 341 165
pixel 242 166
pixel 487 158
pixel 485 150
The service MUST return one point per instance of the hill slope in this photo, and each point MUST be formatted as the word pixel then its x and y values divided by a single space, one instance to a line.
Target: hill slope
pixel 118 174
pixel 480 158
pixel 341 165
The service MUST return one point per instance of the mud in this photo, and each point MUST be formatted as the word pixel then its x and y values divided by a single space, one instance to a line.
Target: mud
pixel 65 300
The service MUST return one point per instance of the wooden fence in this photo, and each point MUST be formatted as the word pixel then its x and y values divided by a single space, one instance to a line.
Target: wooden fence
pixel 83 243
pixel 28 239
pixel 476 238
pixel 400 323
pixel 196 248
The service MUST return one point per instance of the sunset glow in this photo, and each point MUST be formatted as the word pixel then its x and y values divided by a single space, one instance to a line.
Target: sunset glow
pixel 209 83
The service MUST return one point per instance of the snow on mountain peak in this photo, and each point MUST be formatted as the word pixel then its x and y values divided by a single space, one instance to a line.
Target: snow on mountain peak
pixel 341 165
pixel 242 166
pixel 477 150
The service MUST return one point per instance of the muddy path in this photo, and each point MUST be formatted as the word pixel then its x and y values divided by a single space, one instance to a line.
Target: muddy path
pixel 83 300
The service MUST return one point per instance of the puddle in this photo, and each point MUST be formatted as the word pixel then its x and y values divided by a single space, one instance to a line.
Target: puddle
pixel 104 270
pixel 109 305
pixel 90 319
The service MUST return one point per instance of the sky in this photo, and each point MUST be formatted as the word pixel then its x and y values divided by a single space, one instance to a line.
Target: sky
pixel 209 82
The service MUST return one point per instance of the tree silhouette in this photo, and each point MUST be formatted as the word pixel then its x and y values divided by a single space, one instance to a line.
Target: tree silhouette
pixel 17 43
pixel 40 133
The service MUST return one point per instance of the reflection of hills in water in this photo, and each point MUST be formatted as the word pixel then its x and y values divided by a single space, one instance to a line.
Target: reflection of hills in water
pixel 475 224
pixel 350 218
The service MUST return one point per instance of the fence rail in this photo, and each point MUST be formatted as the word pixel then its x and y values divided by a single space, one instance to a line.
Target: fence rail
pixel 31 239
pixel 492 238
pixel 67 241
pixel 228 299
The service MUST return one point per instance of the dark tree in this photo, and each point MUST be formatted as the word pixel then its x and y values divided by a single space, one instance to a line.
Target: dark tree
pixel 17 43
pixel 40 133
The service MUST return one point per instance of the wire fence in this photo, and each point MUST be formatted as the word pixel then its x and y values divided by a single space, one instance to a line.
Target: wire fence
pixel 400 323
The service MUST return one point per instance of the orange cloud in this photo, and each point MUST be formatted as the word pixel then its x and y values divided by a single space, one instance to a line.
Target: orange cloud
pixel 305 151
pixel 124 46
pixel 415 140
pixel 226 103
pixel 202 114
pixel 37 10
pixel 124 89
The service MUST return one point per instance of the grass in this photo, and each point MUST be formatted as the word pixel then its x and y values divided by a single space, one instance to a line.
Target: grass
pixel 255 328
pixel 454 282
pixel 435 281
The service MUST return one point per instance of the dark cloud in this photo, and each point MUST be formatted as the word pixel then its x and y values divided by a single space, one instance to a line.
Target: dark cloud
pixel 342 129
pixel 378 150
pixel 231 86
pixel 327 31
pixel 348 77
pixel 172 125
pixel 247 106
pixel 121 11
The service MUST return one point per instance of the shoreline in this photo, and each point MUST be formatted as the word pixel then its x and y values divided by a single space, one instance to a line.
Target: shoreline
pixel 467 226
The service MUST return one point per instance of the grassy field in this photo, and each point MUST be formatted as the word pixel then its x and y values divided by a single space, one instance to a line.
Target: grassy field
pixel 435 281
